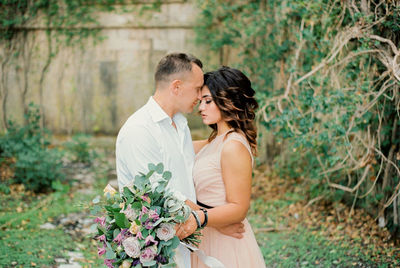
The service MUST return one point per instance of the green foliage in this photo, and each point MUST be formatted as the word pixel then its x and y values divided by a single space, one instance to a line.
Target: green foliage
pixel 325 89
pixel 25 243
pixel 80 149
pixel 36 165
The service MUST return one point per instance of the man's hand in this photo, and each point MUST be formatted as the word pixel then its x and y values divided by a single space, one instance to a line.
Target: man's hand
pixel 187 228
pixel 235 230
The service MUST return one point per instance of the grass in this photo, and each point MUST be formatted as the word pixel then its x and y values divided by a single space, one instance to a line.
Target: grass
pixel 283 245
pixel 24 244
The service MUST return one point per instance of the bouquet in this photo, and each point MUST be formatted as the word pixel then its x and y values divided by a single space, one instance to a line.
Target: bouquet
pixel 137 228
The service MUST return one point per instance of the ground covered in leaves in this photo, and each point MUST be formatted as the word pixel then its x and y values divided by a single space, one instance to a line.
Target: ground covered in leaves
pixel 295 233
pixel 52 230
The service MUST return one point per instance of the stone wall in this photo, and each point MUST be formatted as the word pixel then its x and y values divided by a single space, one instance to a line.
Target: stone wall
pixel 95 89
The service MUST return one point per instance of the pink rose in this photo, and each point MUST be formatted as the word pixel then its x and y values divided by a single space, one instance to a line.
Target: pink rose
pixel 130 213
pixel 148 254
pixel 166 231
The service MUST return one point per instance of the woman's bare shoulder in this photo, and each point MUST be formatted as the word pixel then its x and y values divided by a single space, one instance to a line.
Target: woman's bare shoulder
pixel 198 145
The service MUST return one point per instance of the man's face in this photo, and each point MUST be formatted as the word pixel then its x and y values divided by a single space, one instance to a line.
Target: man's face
pixel 190 89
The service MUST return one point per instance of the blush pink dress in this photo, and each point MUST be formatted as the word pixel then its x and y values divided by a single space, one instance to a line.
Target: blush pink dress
pixel 210 190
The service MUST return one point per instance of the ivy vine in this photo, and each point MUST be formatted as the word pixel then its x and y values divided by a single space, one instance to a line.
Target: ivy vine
pixel 327 75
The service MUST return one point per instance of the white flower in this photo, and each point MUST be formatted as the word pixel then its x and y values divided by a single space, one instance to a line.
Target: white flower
pixel 166 231
pixel 132 247
pixel 130 213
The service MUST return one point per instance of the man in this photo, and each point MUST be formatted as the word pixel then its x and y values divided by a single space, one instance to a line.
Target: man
pixel 158 132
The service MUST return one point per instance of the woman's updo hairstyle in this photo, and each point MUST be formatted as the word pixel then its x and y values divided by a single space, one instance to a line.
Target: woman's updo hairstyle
pixel 232 92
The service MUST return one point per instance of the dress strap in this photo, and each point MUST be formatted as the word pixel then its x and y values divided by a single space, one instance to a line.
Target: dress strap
pixel 240 138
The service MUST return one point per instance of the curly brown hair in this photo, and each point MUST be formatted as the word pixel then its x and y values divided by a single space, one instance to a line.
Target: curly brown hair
pixel 232 92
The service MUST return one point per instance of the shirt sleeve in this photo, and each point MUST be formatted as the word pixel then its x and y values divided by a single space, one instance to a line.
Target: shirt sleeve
pixel 134 151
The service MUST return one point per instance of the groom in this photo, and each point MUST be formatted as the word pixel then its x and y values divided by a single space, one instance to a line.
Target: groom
pixel 158 132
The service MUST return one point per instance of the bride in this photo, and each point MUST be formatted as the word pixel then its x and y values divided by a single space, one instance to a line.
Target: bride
pixel 223 168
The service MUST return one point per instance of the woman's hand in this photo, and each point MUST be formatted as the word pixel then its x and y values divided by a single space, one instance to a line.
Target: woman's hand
pixel 187 228
pixel 235 230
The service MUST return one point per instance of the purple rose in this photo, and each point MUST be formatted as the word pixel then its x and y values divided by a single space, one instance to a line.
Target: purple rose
pixel 148 254
pixel 149 225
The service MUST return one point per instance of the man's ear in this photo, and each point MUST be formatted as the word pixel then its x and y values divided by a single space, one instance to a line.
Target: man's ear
pixel 175 84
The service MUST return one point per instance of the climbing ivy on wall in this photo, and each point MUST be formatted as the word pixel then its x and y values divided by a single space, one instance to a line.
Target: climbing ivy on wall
pixel 327 75
pixel 66 23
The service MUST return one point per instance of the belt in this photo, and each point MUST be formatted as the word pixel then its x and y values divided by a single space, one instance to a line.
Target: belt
pixel 203 205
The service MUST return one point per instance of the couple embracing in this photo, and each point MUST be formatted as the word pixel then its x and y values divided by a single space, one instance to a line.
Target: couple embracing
pixel 213 176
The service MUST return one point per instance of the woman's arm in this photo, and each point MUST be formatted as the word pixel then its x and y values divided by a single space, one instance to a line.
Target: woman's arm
pixel 198 145
pixel 236 165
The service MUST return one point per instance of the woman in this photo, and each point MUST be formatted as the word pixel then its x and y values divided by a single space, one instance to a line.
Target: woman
pixel 223 167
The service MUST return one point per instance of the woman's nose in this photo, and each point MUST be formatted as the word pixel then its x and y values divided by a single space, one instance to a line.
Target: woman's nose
pixel 201 106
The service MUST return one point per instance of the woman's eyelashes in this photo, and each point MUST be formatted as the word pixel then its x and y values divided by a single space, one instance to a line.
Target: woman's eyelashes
pixel 208 101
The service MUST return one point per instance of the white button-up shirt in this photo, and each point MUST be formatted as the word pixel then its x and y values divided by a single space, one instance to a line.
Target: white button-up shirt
pixel 148 136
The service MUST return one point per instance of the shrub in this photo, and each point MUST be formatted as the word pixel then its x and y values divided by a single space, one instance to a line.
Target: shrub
pixel 80 149
pixel 327 78
pixel 34 164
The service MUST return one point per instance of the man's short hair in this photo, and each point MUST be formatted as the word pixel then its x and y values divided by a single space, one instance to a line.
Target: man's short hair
pixel 175 63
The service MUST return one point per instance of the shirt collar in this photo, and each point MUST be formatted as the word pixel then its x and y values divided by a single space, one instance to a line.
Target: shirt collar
pixel 180 120
pixel 158 114
pixel 155 110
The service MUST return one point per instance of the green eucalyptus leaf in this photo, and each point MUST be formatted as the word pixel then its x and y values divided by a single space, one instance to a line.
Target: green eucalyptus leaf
pixel 110 254
pixel 167 175
pixel 159 168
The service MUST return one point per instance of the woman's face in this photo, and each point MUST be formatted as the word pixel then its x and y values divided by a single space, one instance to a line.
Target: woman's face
pixel 209 111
